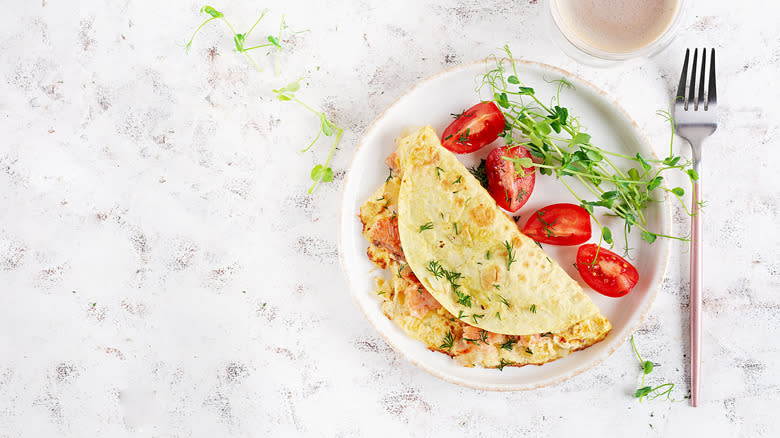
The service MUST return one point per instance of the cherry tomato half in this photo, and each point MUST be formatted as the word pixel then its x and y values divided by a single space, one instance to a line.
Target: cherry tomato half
pixel 610 275
pixel 476 127
pixel 559 224
pixel 509 188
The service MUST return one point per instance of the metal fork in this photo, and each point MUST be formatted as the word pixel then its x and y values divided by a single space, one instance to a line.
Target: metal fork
pixel 696 117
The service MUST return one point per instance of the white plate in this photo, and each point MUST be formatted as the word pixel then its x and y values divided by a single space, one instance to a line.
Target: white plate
pixel 431 102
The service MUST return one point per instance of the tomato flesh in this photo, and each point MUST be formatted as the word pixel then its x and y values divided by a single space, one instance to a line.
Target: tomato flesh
pixel 510 189
pixel 610 275
pixel 474 128
pixel 559 224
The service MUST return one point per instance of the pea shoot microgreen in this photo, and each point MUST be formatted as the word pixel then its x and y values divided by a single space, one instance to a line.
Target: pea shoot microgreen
pixel 321 172
pixel 650 392
pixel 560 148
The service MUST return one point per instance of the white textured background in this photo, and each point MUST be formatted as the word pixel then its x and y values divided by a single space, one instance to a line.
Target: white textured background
pixel 144 190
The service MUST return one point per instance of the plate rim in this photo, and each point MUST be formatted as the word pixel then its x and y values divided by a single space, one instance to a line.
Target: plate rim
pixel 666 216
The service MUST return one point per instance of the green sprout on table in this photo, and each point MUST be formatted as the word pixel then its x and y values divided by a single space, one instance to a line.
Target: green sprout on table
pixel 651 392
pixel 320 172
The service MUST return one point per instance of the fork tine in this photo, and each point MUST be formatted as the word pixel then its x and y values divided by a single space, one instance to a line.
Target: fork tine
pixel 683 77
pixel 692 89
pixel 711 95
pixel 700 100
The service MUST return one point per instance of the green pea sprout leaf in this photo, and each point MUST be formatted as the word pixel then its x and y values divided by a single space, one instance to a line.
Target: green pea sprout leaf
pixel 651 392
pixel 320 173
pixel 561 148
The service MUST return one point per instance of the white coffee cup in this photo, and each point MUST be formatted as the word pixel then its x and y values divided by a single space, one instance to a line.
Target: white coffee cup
pixel 603 31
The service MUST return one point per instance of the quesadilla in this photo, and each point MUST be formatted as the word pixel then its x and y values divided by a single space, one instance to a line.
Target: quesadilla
pixel 465 280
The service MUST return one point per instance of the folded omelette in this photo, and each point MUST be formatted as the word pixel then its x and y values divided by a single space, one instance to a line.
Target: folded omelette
pixel 465 280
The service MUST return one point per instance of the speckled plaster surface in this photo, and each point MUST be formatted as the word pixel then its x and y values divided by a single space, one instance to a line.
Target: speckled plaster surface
pixel 163 272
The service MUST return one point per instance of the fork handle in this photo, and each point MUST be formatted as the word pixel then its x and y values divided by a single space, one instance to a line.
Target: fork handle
pixel 696 279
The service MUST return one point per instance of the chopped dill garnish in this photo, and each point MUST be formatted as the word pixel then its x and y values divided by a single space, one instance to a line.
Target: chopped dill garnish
pixel 449 340
pixel 464 137
pixel 510 254
pixel 476 318
pixel 528 350
pixel 426 226
pixel 508 345
pixel 435 269
pixel 480 173
pixel 504 363
pixel 533 308
pixel 463 299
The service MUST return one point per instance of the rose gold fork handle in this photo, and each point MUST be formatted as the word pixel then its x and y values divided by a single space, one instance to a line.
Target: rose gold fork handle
pixel 695 292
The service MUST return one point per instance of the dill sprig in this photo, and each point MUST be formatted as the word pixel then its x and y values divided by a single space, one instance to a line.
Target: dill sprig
pixel 504 363
pixel 436 269
pixel 426 226
pixel 510 254
pixel 508 345
pixel 449 340
pixel 480 173
pixel 561 148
